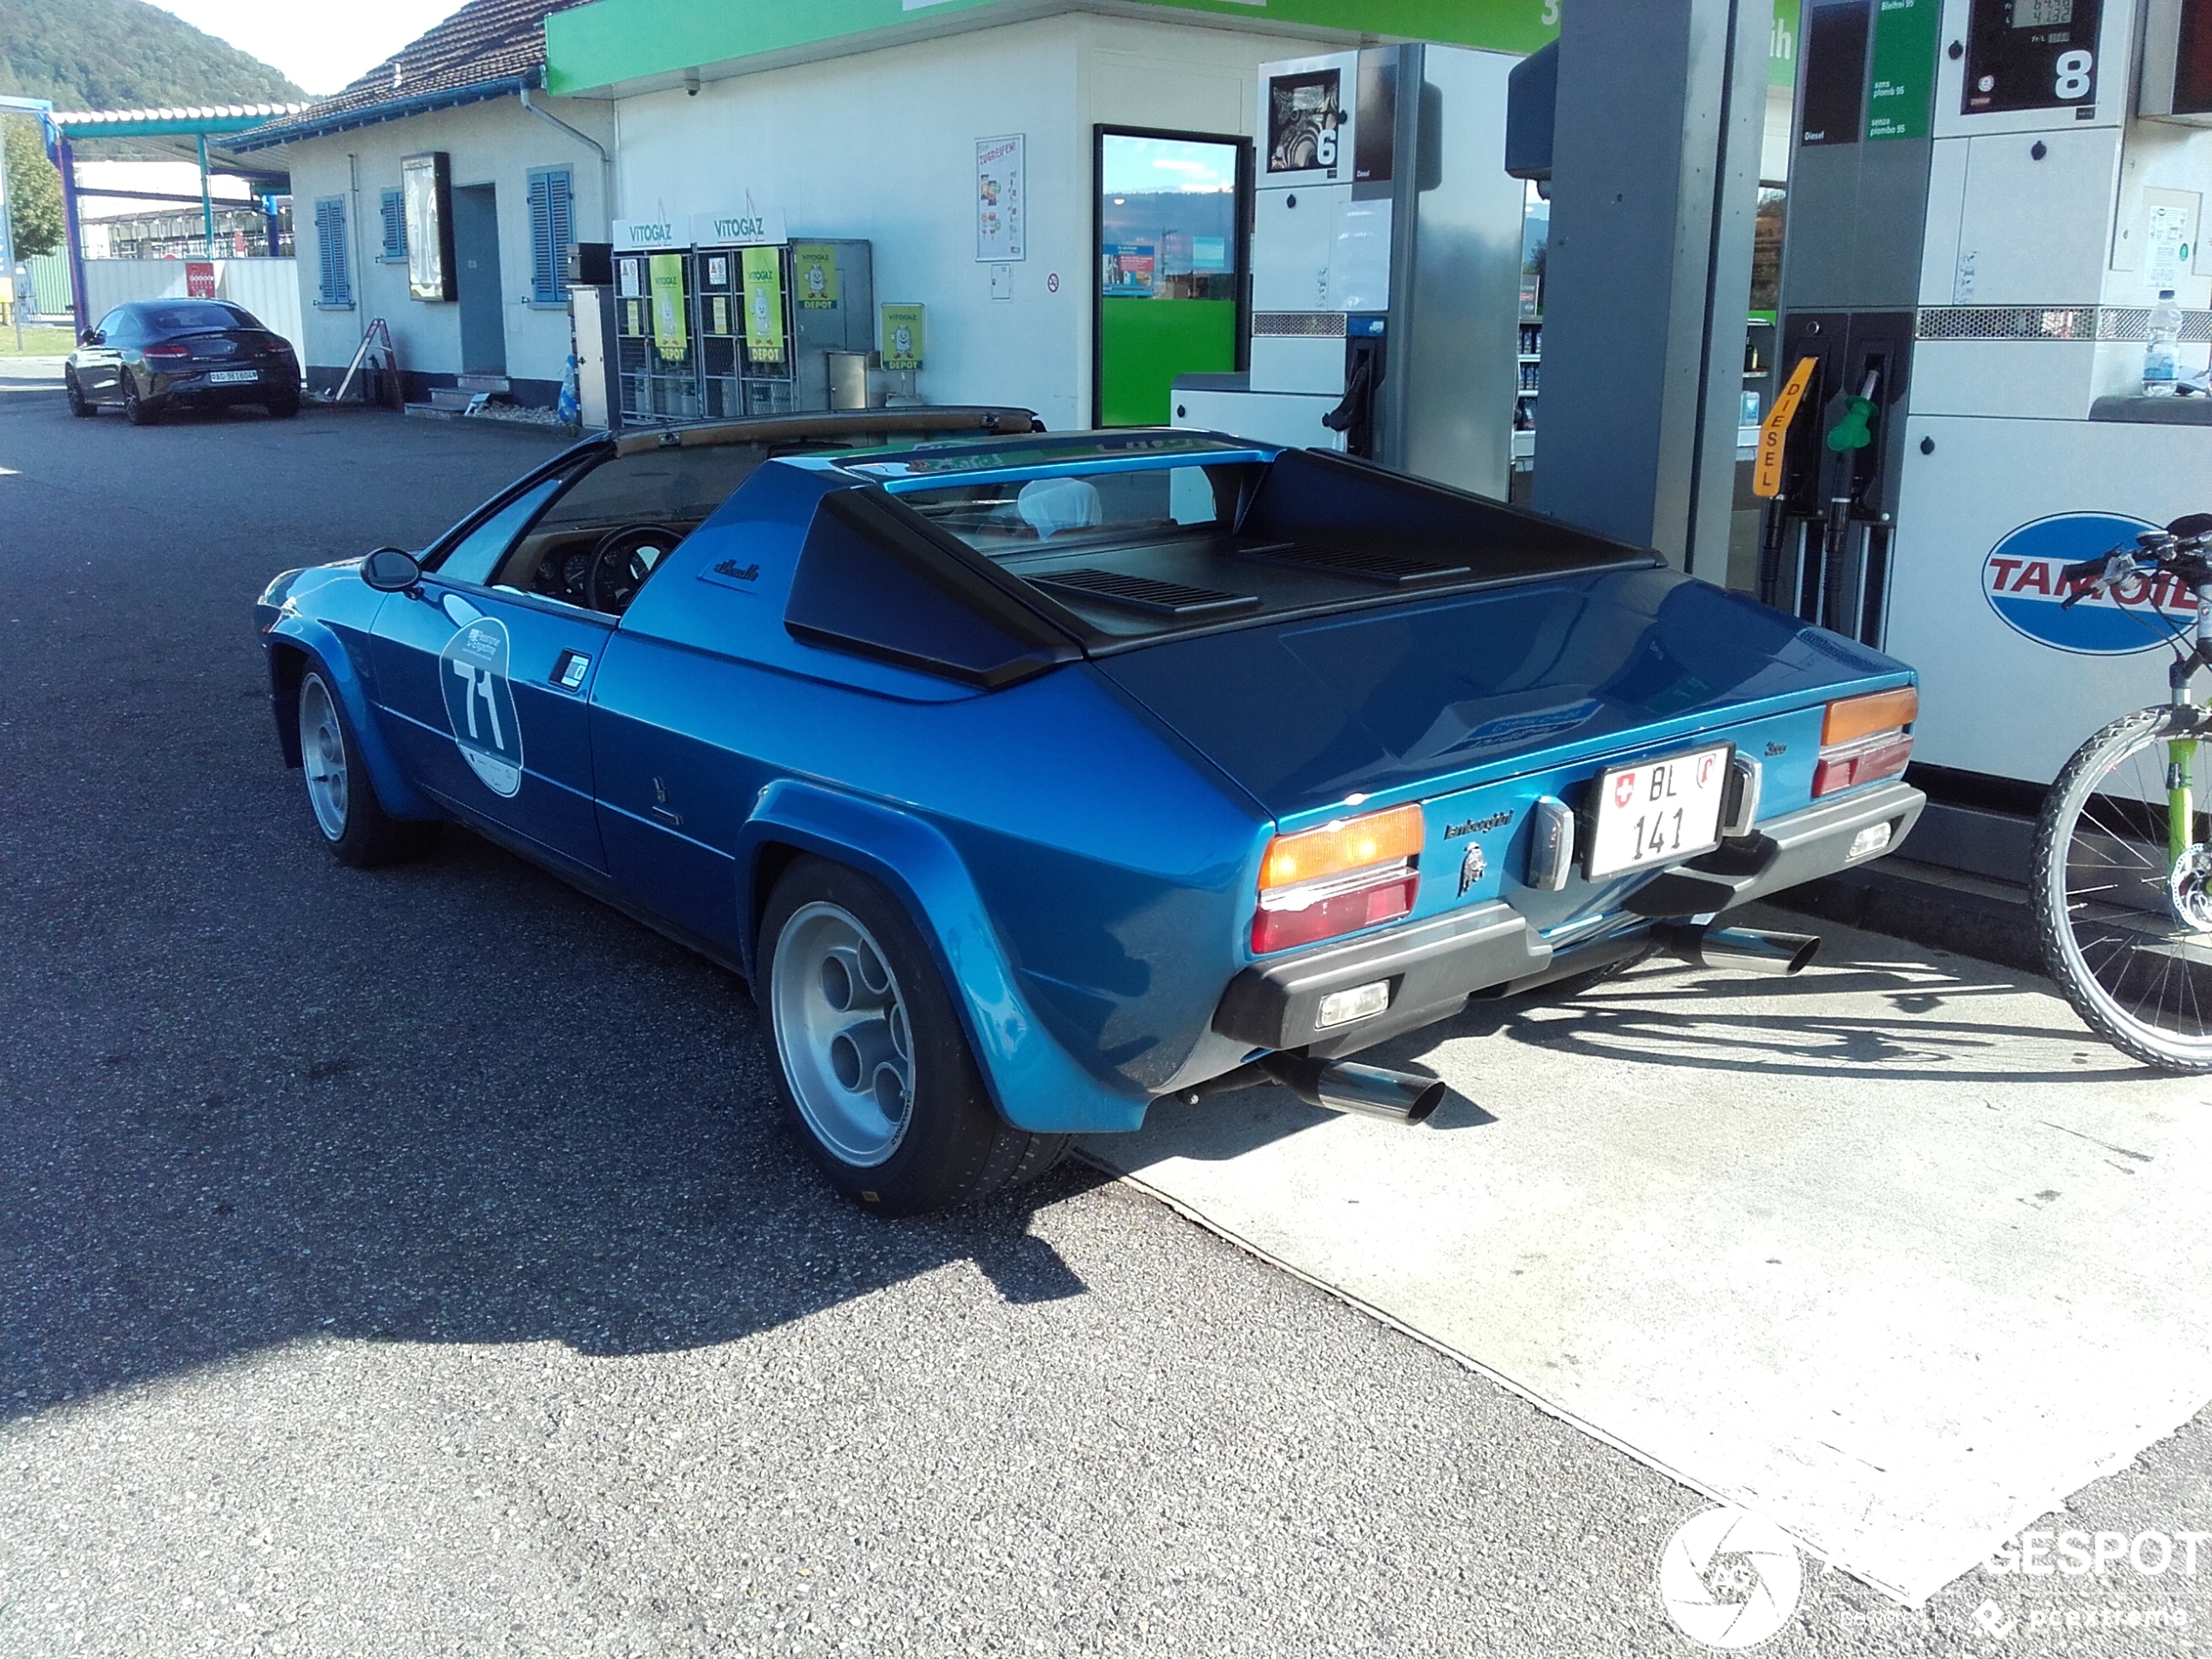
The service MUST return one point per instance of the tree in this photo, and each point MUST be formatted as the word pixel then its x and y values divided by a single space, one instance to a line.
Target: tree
pixel 34 190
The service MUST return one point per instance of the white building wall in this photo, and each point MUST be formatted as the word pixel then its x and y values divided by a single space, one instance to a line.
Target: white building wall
pixel 881 145
pixel 498 143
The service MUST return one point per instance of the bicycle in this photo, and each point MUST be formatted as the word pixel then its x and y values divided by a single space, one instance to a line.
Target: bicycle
pixel 2123 875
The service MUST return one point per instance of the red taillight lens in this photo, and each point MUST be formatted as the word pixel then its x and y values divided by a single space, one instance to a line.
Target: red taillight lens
pixel 1866 764
pixel 1354 874
pixel 168 353
pixel 1341 913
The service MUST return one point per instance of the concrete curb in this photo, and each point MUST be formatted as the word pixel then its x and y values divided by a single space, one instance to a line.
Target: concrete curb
pixel 1991 928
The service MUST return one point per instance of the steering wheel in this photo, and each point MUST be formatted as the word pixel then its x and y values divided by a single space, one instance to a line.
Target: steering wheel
pixel 621 563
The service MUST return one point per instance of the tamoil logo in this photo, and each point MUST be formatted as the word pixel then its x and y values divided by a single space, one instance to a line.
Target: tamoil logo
pixel 2020 580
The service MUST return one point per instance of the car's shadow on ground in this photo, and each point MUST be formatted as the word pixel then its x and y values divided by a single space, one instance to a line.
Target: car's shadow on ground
pixel 452 1102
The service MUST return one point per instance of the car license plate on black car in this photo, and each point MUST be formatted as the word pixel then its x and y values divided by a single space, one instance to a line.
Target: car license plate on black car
pixel 1658 812
pixel 232 376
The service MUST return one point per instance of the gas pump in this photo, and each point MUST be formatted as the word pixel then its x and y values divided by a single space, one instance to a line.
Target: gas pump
pixel 1986 198
pixel 1386 267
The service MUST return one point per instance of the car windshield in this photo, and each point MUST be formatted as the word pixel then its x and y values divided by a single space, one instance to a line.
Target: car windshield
pixel 1006 516
pixel 192 316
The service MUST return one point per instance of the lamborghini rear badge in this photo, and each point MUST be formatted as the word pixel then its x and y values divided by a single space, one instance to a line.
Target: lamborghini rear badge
pixel 1472 867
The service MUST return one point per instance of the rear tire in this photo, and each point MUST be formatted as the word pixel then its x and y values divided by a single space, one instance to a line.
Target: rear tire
pixel 353 822
pixel 283 408
pixel 871 1061
pixel 135 408
pixel 80 406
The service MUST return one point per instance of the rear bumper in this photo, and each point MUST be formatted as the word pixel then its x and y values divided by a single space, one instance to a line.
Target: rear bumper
pixel 1434 968
pixel 1782 853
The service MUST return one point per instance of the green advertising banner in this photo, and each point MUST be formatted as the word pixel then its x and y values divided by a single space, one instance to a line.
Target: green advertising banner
pixel 813 274
pixel 672 328
pixel 1782 49
pixel 902 336
pixel 1902 102
pixel 762 269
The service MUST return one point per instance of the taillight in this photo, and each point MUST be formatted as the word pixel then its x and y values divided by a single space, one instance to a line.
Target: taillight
pixel 168 353
pixel 1354 874
pixel 1863 739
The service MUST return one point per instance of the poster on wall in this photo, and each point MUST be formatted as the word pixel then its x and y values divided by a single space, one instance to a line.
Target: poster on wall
pixel 199 278
pixel 762 269
pixel 671 329
pixel 426 191
pixel 902 337
pixel 814 275
pixel 1127 271
pixel 1002 212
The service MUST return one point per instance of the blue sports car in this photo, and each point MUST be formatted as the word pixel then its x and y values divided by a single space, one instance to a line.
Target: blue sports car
pixel 1030 778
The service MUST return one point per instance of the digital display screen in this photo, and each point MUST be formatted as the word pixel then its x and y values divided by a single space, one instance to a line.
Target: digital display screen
pixel 2193 69
pixel 2042 14
pixel 2031 54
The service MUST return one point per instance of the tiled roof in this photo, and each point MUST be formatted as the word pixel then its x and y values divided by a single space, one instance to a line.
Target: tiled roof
pixel 486 42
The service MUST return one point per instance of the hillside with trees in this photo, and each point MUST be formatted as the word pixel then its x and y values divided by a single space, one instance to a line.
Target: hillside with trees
pixel 124 55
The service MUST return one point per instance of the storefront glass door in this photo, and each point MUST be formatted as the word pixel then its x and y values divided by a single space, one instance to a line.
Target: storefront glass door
pixel 1170 262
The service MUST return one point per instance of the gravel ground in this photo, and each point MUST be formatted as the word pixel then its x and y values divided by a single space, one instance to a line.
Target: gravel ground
pixel 410 1263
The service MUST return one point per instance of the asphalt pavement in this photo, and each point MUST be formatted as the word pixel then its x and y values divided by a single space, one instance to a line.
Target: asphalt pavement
pixel 411 1261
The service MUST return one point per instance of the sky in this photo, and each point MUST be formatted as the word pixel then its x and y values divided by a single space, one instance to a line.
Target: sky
pixel 321 44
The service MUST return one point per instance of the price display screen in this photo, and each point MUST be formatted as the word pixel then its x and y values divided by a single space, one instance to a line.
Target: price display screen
pixel 2031 54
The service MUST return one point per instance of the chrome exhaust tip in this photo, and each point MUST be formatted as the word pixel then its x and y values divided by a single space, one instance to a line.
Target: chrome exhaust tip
pixel 1363 1091
pixel 1738 950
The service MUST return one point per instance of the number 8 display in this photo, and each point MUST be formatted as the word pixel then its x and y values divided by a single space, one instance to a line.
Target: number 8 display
pixel 2074 76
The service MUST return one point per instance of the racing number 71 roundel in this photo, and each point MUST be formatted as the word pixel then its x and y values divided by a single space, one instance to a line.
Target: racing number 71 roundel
pixel 480 705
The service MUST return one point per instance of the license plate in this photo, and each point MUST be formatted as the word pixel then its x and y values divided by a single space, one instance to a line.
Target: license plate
pixel 233 376
pixel 1658 812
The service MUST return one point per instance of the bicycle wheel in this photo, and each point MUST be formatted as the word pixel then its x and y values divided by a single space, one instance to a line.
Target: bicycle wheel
pixel 2126 926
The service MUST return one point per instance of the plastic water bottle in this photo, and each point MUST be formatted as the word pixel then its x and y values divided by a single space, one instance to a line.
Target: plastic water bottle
pixel 2161 349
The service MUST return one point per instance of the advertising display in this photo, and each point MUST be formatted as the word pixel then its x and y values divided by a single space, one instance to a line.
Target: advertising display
pixel 763 269
pixel 814 266
pixel 672 328
pixel 425 189
pixel 902 337
pixel 1000 230
pixel 1127 270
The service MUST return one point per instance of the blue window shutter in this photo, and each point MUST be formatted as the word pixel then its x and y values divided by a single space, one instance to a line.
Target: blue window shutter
pixel 393 205
pixel 337 288
pixel 552 227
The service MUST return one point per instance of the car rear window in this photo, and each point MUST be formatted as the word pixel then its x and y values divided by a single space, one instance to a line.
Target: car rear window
pixel 193 314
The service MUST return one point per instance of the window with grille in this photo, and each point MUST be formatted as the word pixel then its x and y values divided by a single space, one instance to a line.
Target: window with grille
pixel 552 227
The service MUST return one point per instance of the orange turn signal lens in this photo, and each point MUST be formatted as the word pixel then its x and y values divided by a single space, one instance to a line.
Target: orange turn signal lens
pixel 1349 844
pixel 1862 717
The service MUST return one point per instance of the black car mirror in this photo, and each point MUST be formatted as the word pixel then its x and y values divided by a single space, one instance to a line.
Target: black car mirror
pixel 391 569
pixel 90 337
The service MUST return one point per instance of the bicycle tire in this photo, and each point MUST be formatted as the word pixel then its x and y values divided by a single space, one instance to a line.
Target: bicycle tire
pixel 2070 925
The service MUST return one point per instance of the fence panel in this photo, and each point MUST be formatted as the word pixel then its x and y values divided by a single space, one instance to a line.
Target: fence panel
pixel 268 288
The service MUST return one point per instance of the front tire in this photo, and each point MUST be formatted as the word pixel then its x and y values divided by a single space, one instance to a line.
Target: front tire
pixel 873 1065
pixel 353 822
pixel 2128 935
pixel 80 406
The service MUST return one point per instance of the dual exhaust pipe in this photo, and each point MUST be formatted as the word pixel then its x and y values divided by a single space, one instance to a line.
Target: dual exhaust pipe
pixel 1406 1097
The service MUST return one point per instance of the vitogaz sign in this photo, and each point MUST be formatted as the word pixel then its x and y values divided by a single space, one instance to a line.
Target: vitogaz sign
pixel 2021 579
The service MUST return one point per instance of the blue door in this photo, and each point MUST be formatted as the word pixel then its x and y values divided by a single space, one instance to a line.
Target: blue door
pixel 485 690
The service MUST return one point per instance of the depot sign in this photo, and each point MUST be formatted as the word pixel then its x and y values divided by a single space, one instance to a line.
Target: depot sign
pixel 2021 579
